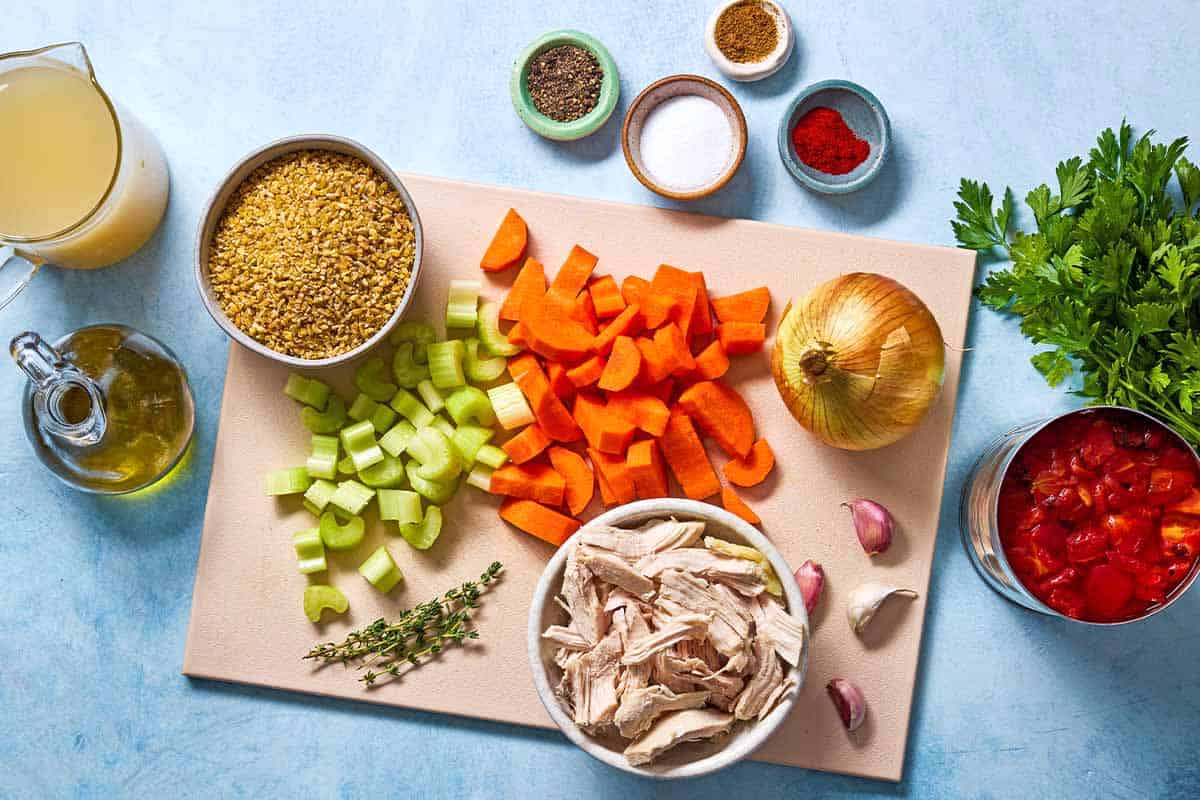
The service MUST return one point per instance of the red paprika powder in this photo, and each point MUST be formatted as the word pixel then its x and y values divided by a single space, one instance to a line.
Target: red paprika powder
pixel 825 142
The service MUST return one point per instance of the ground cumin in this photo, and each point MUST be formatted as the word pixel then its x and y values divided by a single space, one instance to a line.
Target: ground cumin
pixel 746 32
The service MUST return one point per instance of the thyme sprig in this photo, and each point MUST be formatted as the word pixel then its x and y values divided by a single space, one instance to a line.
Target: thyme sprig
pixel 388 648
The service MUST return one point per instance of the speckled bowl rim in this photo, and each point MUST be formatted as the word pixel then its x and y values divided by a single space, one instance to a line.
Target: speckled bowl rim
pixel 749 738
pixel 789 158
pixel 216 206
pixel 739 131
pixel 589 123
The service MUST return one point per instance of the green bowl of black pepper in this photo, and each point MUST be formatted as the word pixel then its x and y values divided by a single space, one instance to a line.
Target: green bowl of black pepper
pixel 565 85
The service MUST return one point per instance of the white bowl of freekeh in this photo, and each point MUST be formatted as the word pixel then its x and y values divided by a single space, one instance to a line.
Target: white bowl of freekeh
pixel 657 744
pixel 309 251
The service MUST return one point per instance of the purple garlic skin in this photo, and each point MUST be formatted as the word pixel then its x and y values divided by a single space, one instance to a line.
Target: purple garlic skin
pixel 874 525
pixel 811 577
pixel 849 701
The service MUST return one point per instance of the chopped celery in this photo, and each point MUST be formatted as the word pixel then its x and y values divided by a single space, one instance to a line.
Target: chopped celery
pixel 371 380
pixel 469 404
pixel 310 551
pixel 362 408
pixel 436 492
pixel 288 481
pixel 480 477
pixel 387 474
pixel 467 440
pixel 320 596
pixel 382 418
pixel 491 456
pixel 330 420
pixel 422 535
pixel 430 396
pixel 488 328
pixel 481 371
pixel 351 497
pixel 309 391
pixel 308 506
pixel 409 407
pixel 439 461
pixel 419 333
pixel 318 495
pixel 445 364
pixel 341 537
pixel 395 440
pixel 360 444
pixel 323 461
pixel 509 406
pixel 381 571
pixel 399 505
pixel 462 304
pixel 346 466
pixel 444 425
pixel 405 369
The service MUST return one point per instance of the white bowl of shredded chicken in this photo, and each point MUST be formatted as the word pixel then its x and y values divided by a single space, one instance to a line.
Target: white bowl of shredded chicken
pixel 668 638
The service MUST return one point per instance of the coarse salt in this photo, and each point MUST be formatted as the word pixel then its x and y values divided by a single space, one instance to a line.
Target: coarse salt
pixel 686 142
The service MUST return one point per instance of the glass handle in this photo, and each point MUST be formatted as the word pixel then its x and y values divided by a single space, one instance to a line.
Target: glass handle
pixel 13 278
pixel 55 378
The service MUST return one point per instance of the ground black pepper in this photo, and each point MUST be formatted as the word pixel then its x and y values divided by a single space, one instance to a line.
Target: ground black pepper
pixel 564 82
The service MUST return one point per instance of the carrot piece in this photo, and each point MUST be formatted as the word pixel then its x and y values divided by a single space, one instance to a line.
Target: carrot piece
pixel 534 518
pixel 612 470
pixel 754 468
pixel 622 367
pixel 735 505
pixel 551 332
pixel 530 282
pixel 748 306
pixel 655 365
pixel 722 414
pixel 527 444
pixel 560 384
pixel 578 475
pixel 573 275
pixel 627 323
pixel 551 414
pixel 739 338
pixel 702 313
pixel 646 466
pixel 586 372
pixel 606 297
pixel 680 286
pixel 655 307
pixel 508 245
pixel 664 390
pixel 584 312
pixel 518 335
pixel 642 409
pixel 532 481
pixel 672 343
pixel 518 365
pixel 685 455
pixel 587 412
pixel 614 434
pixel 712 362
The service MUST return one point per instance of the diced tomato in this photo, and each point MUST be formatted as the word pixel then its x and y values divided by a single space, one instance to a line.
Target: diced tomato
pixel 1180 535
pixel 1108 590
pixel 1068 602
pixel 1169 485
pixel 1065 577
pixel 1188 505
pixel 1086 545
pixel 1050 536
pixel 1128 564
pixel 1098 444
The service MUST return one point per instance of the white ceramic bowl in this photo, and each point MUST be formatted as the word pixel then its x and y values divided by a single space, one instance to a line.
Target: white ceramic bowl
pixel 693 758
pixel 752 70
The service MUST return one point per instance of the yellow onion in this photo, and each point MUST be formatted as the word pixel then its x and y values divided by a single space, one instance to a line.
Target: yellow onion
pixel 858 361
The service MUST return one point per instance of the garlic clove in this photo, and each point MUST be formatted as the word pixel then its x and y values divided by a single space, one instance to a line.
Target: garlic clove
pixel 849 701
pixel 874 525
pixel 811 577
pixel 866 599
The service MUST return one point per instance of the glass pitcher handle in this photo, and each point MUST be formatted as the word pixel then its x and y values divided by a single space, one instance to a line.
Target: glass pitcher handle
pixel 12 277
pixel 54 379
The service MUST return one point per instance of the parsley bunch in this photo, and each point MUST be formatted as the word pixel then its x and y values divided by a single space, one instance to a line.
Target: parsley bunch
pixel 1110 279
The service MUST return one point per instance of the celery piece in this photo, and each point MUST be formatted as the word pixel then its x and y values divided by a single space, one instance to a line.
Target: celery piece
pixel 341 537
pixel 346 466
pixel 480 477
pixel 491 456
pixel 470 404
pixel 479 370
pixel 430 396
pixel 310 551
pixel 351 497
pixel 387 474
pixel 467 440
pixel 419 333
pixel 439 461
pixel 330 420
pixel 422 535
pixel 308 506
pixel 436 492
pixel 320 596
pixel 396 439
pixel 445 364
pixel 380 570
pixel 409 407
pixel 488 327
pixel 288 481
pixel 399 505
pixel 318 495
pixel 462 304
pixel 323 461
pixel 509 406
pixel 382 418
pixel 407 372
pixel 362 408
pixel 444 425
pixel 371 380
pixel 309 391
pixel 359 441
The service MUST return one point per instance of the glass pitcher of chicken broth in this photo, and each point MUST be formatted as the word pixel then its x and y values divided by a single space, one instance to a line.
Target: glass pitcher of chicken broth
pixel 82 183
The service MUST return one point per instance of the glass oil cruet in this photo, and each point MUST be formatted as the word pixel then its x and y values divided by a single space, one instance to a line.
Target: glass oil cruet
pixel 107 409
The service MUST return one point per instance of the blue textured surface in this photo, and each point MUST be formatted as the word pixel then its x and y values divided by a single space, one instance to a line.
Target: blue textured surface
pixel 94 593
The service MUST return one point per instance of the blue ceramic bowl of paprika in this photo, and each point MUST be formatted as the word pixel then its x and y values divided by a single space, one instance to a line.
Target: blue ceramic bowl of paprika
pixel 833 144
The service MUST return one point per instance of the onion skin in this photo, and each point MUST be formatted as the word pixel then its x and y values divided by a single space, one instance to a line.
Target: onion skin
pixel 859 361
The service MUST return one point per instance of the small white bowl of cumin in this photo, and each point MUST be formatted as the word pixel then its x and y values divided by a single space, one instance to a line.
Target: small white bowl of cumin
pixel 309 251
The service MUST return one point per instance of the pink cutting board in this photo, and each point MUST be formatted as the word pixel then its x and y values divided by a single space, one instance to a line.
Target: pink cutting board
pixel 247 625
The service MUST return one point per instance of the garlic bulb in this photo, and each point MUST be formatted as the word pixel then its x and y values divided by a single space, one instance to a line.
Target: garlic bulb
pixel 866 599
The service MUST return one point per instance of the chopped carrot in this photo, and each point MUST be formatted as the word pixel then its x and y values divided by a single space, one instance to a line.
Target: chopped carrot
pixel 551 414
pixel 527 444
pixel 739 338
pixel 627 323
pixel 702 313
pixel 642 409
pixel 530 282
pixel 753 469
pixel 712 362
pixel 532 481
pixel 655 307
pixel 588 413
pixel 722 414
pixel 578 475
pixel 508 245
pixel 664 390
pixel 534 518
pixel 655 366
pixel 685 455
pixel 560 384
pixel 584 312
pixel 586 372
pixel 622 367
pixel 614 434
pixel 612 470
pixel 646 466
pixel 748 306
pixel 517 335
pixel 551 332
pixel 520 364
pixel 573 275
pixel 679 285
pixel 672 343
pixel 735 505
pixel 606 297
